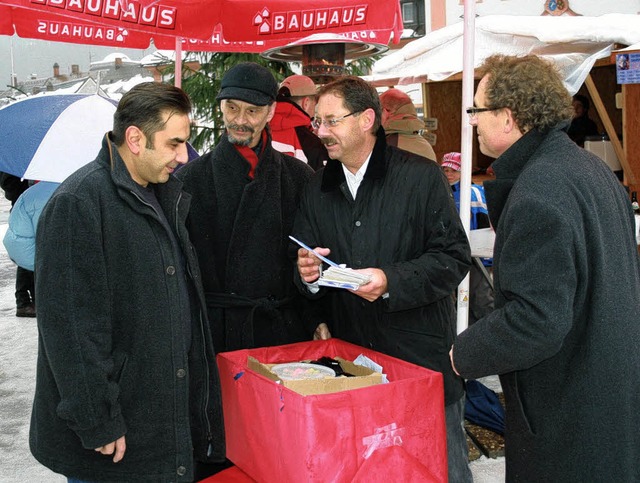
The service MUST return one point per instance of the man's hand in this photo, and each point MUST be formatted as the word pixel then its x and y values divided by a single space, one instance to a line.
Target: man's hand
pixel 375 288
pixel 308 264
pixel 322 332
pixel 118 447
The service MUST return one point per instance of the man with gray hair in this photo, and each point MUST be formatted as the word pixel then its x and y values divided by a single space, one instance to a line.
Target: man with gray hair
pixel 245 194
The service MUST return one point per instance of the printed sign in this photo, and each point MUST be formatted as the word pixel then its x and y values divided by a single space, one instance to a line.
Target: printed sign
pixel 628 68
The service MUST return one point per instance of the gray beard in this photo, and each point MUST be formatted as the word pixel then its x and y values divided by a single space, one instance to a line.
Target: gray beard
pixel 238 142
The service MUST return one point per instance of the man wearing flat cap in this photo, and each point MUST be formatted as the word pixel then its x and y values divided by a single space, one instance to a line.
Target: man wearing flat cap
pixel 245 195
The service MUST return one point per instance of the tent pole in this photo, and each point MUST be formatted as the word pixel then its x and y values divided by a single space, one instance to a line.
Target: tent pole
pixel 466 141
pixel 178 63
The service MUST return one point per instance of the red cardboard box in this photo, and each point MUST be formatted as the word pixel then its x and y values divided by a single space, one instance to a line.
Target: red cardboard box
pixel 380 433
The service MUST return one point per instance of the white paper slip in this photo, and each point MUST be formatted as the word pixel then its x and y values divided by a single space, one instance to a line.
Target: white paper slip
pixel 335 284
pixel 307 247
pixel 337 276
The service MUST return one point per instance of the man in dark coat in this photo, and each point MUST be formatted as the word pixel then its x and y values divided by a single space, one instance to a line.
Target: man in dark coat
pixel 390 214
pixel 563 337
pixel 127 387
pixel 245 194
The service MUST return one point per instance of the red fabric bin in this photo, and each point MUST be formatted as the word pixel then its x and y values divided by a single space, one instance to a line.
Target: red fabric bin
pixel 381 433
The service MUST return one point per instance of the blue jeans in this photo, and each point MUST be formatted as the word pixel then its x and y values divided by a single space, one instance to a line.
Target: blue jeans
pixel 457 449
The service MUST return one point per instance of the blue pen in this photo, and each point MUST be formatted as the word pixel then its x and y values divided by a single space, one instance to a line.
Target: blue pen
pixel 306 247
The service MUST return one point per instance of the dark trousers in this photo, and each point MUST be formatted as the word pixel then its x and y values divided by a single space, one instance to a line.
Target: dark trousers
pixel 25 288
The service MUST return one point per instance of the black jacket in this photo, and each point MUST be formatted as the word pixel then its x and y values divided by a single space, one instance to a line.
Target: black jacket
pixel 240 227
pixel 404 222
pixel 113 355
pixel 563 336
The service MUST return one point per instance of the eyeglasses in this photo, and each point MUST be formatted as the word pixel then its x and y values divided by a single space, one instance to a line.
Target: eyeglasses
pixel 474 111
pixel 333 122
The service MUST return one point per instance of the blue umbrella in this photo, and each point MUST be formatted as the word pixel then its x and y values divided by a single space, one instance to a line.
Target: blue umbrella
pixel 48 137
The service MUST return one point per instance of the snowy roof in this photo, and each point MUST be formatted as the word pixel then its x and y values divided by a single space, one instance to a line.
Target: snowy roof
pixel 111 58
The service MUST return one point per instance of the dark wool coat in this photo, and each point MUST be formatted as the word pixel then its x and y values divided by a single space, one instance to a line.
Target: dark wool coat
pixel 404 222
pixel 240 228
pixel 113 357
pixel 564 335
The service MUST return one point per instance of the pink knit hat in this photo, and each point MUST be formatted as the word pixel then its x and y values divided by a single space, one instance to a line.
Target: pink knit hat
pixel 451 160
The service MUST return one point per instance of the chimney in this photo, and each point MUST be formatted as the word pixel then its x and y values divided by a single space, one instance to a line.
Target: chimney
pixel 118 62
pixel 56 70
pixel 75 69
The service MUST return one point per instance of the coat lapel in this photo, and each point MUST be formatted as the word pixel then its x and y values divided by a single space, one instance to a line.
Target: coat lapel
pixel 507 168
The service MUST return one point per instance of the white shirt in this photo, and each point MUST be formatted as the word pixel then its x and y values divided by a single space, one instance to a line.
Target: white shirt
pixel 354 180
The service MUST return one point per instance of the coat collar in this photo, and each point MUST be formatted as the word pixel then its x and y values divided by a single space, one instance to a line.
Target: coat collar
pixel 333 175
pixel 507 168
pixel 167 193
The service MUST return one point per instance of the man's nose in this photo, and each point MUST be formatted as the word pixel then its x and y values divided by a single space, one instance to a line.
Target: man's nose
pixel 322 128
pixel 183 154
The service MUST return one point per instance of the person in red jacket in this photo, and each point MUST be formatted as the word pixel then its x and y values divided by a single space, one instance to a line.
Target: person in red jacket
pixel 291 129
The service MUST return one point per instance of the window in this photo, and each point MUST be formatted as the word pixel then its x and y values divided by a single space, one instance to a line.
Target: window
pixel 409 13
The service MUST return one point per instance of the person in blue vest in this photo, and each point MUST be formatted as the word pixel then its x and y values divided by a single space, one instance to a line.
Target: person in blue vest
pixel 479 213
pixel 20 238
pixel 480 290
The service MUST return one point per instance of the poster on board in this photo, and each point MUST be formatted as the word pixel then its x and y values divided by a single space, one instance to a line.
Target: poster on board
pixel 628 68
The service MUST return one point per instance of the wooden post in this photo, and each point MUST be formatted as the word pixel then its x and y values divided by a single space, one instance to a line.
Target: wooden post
pixel 631 130
pixel 608 126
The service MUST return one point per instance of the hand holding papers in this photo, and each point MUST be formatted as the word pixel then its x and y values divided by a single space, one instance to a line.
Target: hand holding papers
pixel 342 277
pixel 337 276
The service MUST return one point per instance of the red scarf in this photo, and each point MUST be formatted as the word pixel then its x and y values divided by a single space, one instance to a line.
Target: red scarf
pixel 250 155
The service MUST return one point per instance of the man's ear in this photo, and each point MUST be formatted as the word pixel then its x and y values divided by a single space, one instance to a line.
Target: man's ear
pixel 272 111
pixel 510 126
pixel 367 119
pixel 134 139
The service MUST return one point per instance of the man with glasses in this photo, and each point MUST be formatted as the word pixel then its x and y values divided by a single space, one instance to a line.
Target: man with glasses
pixel 387 213
pixel 563 335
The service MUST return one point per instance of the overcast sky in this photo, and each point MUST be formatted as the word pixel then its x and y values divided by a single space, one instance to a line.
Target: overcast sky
pixel 38 57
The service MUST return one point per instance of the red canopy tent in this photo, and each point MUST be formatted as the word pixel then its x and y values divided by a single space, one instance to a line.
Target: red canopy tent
pixel 251 26
pixel 210 25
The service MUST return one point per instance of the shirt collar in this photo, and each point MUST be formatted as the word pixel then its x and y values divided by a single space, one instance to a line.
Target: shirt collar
pixel 354 180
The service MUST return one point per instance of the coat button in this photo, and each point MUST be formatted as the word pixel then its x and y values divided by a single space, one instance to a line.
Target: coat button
pixel 171 270
pixel 358 223
pixel 181 373
pixel 181 471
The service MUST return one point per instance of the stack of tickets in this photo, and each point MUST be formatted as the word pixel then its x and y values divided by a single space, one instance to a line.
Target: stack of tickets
pixel 341 277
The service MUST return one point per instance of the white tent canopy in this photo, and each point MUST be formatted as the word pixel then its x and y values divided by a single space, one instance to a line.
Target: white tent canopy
pixel 573 43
